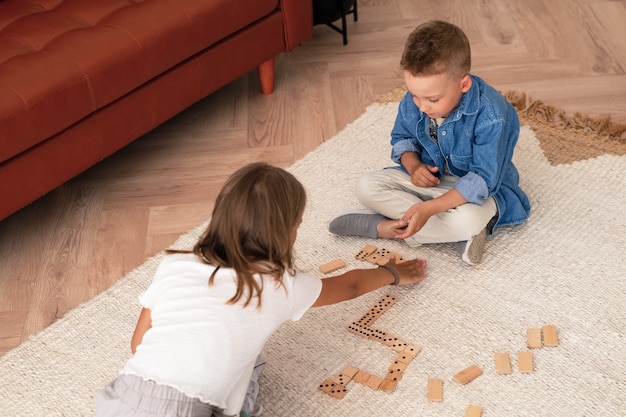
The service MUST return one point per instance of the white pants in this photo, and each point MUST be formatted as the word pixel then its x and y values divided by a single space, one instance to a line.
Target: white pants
pixel 391 193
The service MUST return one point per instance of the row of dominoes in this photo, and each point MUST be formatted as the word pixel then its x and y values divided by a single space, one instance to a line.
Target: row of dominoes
pixel 369 253
pixel 535 339
pixel 377 256
pixel 547 334
pixel 406 352
pixel 373 314
pixel 362 327
pixel 337 386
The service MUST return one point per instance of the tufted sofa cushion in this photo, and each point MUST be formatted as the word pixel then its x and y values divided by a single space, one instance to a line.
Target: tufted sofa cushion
pixel 80 55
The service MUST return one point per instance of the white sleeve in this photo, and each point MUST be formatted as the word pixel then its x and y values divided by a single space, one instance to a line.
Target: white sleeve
pixel 305 290
pixel 163 274
pixel 148 297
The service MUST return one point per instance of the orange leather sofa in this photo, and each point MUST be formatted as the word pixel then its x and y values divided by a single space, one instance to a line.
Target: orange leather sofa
pixel 80 79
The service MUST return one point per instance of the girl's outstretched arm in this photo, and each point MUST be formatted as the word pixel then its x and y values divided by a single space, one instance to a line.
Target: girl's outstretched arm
pixel 361 281
pixel 143 324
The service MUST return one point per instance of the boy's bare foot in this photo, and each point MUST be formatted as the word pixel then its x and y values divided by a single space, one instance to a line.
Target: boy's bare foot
pixel 389 229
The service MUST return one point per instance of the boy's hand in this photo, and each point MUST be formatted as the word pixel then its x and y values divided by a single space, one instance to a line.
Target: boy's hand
pixel 411 271
pixel 422 175
pixel 425 176
pixel 413 220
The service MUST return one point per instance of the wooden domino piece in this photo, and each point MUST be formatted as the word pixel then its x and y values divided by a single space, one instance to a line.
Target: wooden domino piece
pixel 377 335
pixel 399 345
pixel 374 381
pixel 468 374
pixel 398 258
pixel 354 327
pixel 326 386
pixel 349 371
pixel 387 301
pixel 365 252
pixel 360 330
pixel 533 338
pixel 434 391
pixel 367 320
pixel 503 363
pixel 550 336
pixel 382 261
pixel 370 317
pixel 341 379
pixel 397 366
pixel 388 385
pixel 376 310
pixel 379 257
pixel 373 258
pixel 361 377
pixel 338 391
pixel 412 350
pixel 373 314
pixel 345 376
pixel 473 411
pixel 390 340
pixel 333 389
pixel 525 362
pixel 394 375
pixel 404 357
pixel 332 266
pixel 383 252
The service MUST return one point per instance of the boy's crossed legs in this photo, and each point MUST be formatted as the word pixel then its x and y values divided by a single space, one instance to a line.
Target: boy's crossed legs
pixel 389 194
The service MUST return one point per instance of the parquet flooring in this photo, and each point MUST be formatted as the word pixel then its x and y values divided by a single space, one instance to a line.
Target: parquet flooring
pixel 81 238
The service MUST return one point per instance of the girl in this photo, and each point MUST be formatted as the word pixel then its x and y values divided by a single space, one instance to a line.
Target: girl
pixel 209 311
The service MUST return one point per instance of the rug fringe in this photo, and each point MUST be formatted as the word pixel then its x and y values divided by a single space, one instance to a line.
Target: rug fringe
pixel 602 126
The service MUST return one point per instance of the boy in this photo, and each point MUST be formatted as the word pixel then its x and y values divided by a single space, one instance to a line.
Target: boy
pixel 453 137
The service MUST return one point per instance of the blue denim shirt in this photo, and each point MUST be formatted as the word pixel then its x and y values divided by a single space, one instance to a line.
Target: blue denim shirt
pixel 477 141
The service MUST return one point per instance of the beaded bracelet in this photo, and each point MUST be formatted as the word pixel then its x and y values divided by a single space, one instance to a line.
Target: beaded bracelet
pixel 393 271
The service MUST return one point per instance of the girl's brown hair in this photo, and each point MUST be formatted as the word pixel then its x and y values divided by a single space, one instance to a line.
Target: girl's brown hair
pixel 437 47
pixel 250 230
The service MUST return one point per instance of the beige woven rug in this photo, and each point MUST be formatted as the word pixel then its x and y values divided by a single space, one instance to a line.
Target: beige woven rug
pixel 564 267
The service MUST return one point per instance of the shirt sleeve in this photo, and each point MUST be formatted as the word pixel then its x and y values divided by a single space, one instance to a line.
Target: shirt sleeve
pixel 473 188
pixel 403 133
pixel 490 157
pixel 305 290
pixel 148 298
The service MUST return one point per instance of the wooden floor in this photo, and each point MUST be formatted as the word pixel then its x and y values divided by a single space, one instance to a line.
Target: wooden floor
pixel 81 238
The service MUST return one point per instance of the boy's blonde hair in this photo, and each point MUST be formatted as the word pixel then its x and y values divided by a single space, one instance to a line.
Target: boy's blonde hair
pixel 437 47
pixel 251 227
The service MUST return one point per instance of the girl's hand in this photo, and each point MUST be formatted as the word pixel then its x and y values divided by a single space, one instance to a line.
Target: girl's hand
pixel 410 271
pixel 357 282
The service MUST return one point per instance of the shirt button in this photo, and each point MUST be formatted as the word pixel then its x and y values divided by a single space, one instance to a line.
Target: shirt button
pixel 443 133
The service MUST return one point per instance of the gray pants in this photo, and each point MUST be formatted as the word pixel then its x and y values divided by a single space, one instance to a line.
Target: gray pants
pixel 132 396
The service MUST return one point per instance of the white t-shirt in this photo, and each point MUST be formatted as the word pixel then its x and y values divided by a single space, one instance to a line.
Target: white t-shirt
pixel 202 346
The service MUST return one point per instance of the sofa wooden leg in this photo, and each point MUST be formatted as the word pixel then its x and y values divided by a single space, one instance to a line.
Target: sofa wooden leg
pixel 266 76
